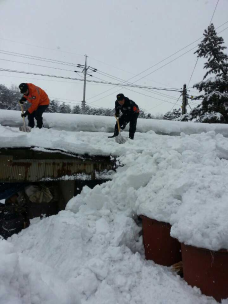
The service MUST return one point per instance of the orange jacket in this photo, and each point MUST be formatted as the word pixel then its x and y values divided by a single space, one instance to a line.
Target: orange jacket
pixel 37 97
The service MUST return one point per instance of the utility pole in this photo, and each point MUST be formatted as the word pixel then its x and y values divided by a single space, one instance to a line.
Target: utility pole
pixel 85 70
pixel 84 89
pixel 184 100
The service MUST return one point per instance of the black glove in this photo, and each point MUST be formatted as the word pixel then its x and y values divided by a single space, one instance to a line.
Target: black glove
pixel 117 115
pixel 25 114
pixel 22 100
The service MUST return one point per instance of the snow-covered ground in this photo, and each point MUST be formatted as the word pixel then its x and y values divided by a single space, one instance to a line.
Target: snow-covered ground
pixel 92 252
pixel 89 123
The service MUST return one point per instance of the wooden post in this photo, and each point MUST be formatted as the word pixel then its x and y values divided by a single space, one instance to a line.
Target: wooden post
pixel 184 100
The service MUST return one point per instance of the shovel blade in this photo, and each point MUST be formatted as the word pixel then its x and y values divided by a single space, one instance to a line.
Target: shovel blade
pixel 120 139
pixel 25 129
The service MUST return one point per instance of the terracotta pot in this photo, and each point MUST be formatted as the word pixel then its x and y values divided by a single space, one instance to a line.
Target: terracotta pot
pixel 159 245
pixel 207 270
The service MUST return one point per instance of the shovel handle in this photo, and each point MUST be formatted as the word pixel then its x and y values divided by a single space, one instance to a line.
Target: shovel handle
pixel 22 111
pixel 118 123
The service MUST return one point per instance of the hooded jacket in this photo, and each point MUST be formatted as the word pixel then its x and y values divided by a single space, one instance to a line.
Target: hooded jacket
pixel 37 97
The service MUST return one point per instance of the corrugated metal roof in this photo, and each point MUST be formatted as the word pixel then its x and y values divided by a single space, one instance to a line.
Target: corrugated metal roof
pixel 26 165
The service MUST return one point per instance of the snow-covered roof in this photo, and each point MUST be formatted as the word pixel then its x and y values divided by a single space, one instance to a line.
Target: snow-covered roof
pixel 89 123
pixel 91 251
pixel 175 179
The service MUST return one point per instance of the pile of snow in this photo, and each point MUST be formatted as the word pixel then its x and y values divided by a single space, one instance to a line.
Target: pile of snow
pixel 89 123
pixel 94 246
pixel 98 253
pixel 26 281
pixel 180 180
pixel 188 188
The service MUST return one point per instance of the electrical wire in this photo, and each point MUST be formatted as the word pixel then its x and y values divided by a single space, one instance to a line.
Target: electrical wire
pixel 81 79
pixel 156 93
pixel 193 71
pixel 43 66
pixel 161 66
pixel 160 62
pixel 11 76
pixel 214 11
pixel 147 90
pixel 72 64
pixel 37 58
pixel 127 88
pixel 177 101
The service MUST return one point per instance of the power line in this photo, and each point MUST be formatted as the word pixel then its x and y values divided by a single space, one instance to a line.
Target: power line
pixel 11 76
pixel 148 96
pixel 177 101
pixel 36 65
pixel 160 62
pixel 168 58
pixel 123 70
pixel 214 11
pixel 163 65
pixel 72 64
pixel 193 71
pixel 153 71
pixel 117 78
pixel 36 58
pixel 120 79
pixel 63 77
pixel 136 93
pixel 122 85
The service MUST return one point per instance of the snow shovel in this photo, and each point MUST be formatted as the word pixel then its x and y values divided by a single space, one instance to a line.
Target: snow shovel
pixel 24 128
pixel 119 138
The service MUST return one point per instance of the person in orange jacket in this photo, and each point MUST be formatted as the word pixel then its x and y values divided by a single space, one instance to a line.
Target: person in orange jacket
pixel 39 100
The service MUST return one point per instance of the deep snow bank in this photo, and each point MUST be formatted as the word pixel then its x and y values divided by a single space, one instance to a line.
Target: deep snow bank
pixel 26 281
pixel 94 246
pixel 96 251
pixel 89 123
pixel 180 180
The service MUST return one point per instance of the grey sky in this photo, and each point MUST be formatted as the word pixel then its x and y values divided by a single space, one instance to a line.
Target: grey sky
pixel 121 38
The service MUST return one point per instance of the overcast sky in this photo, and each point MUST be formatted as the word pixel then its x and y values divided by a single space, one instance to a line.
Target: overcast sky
pixel 121 38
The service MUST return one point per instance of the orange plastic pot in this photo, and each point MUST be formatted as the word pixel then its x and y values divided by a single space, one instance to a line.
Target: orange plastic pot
pixel 207 270
pixel 159 245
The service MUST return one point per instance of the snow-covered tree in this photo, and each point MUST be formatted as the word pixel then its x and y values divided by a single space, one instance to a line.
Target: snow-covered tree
pixel 53 107
pixel 76 110
pixel 213 90
pixel 64 108
pixel 172 115
pixel 9 98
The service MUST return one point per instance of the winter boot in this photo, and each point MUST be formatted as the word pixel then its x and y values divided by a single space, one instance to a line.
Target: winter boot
pixel 116 133
pixel 131 135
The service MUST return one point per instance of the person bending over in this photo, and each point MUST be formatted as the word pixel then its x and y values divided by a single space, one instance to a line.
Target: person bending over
pixel 39 100
pixel 130 113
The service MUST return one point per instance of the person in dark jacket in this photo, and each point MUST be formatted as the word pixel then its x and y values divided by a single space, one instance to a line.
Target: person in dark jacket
pixel 130 113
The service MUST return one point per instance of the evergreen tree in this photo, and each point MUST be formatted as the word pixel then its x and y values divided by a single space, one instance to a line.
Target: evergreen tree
pixel 172 115
pixel 64 108
pixel 76 110
pixel 9 98
pixel 214 90
pixel 53 107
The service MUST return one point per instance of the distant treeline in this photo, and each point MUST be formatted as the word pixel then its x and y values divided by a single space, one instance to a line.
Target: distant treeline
pixel 9 98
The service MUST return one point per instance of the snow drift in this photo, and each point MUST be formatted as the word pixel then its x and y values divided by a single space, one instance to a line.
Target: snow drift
pixel 93 252
pixel 89 123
